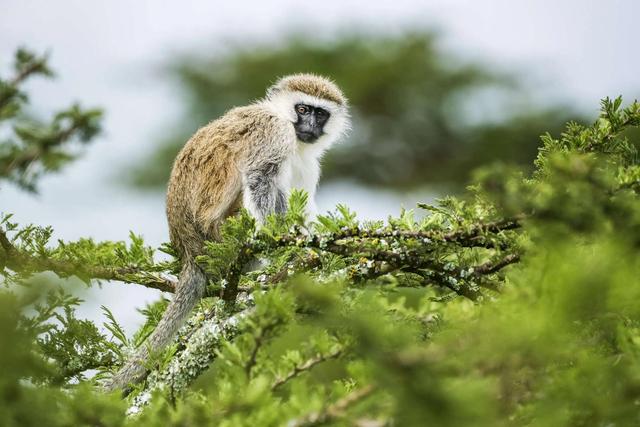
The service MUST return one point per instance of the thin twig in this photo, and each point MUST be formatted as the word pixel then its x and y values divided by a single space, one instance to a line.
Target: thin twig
pixel 27 157
pixel 334 411
pixel 19 78
pixel 491 267
pixel 306 366
pixel 258 341
pixel 300 264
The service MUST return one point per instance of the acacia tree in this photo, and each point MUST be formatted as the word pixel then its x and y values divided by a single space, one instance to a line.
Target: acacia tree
pixel 515 304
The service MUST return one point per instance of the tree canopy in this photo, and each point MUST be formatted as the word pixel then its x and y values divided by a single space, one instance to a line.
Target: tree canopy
pixel 516 303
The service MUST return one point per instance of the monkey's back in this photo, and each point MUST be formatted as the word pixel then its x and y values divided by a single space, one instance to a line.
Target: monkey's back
pixel 205 186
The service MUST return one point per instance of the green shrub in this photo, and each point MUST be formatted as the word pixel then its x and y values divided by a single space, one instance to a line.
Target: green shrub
pixel 517 304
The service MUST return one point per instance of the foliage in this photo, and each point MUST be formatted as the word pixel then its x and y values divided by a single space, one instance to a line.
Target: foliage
pixel 415 107
pixel 29 251
pixel 33 147
pixel 518 304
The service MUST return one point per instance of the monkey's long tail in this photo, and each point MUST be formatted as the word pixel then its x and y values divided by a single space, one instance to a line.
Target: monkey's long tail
pixel 190 289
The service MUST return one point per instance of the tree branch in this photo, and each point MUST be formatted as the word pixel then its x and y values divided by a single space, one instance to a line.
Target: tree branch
pixel 198 354
pixel 300 264
pixel 17 260
pixel 258 340
pixel 464 237
pixel 22 160
pixel 35 66
pixel 334 411
pixel 306 366
pixel 491 267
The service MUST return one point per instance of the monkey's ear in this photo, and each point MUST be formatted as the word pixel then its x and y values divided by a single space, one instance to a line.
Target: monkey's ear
pixel 273 90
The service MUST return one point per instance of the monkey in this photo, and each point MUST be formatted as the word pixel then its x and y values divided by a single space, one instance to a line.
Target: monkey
pixel 251 158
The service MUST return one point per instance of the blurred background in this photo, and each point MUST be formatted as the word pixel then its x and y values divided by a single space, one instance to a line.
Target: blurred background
pixel 437 89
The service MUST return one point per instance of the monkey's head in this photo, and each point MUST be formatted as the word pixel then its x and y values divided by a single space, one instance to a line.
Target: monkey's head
pixel 313 104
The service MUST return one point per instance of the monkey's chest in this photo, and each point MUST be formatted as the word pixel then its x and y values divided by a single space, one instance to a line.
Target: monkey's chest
pixel 300 173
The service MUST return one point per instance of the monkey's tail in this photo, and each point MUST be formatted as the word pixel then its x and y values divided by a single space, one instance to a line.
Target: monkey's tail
pixel 190 289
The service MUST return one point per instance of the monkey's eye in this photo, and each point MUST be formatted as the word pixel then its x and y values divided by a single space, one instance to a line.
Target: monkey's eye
pixel 302 109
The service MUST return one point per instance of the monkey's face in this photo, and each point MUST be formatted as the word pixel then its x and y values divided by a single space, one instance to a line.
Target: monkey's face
pixel 310 124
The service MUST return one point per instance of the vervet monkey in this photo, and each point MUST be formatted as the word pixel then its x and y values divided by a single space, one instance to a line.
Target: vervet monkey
pixel 251 157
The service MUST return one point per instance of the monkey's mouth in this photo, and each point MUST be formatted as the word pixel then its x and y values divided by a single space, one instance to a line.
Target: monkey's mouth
pixel 307 137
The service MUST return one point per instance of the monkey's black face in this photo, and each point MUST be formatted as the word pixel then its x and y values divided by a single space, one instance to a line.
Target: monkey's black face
pixel 311 121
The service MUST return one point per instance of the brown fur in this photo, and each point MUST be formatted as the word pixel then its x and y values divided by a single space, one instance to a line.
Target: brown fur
pixel 312 85
pixel 207 184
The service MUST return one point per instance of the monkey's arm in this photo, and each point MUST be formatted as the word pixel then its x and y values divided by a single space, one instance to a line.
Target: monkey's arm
pixel 266 167
pixel 263 193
